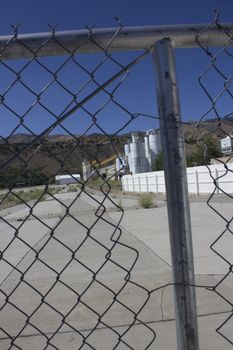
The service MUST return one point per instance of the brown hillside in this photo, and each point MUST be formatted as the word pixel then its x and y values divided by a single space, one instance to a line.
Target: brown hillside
pixel 64 154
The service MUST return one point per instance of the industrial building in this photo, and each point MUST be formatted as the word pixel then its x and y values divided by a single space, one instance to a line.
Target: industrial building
pixel 139 155
pixel 227 144
pixel 142 151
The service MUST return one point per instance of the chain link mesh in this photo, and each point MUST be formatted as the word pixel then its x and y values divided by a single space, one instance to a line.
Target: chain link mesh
pixel 84 291
pixel 219 94
pixel 81 299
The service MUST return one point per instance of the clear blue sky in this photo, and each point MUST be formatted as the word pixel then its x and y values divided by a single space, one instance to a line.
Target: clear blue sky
pixel 138 93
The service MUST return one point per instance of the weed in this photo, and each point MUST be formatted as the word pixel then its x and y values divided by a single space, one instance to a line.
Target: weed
pixel 146 200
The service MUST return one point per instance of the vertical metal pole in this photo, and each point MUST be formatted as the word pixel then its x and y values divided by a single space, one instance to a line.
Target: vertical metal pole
pixel 147 184
pixel 177 196
pixel 139 184
pixel 133 183
pixel 156 183
pixel 197 182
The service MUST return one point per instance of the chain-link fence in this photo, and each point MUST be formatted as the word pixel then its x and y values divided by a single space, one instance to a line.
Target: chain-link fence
pixel 220 110
pixel 72 276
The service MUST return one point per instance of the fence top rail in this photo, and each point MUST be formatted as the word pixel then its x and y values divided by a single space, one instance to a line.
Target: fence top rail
pixel 127 39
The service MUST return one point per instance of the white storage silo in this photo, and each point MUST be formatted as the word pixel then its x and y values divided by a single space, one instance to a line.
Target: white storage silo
pixel 128 155
pixel 147 152
pixel 130 162
pixel 127 149
pixel 155 144
pixel 143 164
pixel 138 157
pixel 141 152
pixel 134 157
pixel 135 137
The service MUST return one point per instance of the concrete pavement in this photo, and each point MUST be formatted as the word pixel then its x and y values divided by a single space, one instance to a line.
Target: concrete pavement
pixel 151 226
pixel 142 230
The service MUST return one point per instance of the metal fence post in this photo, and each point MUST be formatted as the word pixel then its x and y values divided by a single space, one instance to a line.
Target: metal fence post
pixel 147 184
pixel 139 184
pixel 177 196
pixel 133 183
pixel 197 182
pixel 156 183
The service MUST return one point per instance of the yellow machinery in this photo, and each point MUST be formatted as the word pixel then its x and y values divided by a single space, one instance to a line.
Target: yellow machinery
pixel 105 161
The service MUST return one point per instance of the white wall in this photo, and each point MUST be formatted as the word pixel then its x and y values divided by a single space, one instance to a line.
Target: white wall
pixel 67 179
pixel 199 180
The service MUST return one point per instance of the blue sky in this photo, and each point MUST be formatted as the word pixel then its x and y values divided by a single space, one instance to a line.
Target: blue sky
pixel 137 93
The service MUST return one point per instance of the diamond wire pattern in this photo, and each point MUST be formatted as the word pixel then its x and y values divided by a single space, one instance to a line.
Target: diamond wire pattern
pixel 46 291
pixel 74 254
pixel 218 99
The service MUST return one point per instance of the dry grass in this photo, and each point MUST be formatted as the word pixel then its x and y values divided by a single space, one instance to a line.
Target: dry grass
pixel 10 199
pixel 147 200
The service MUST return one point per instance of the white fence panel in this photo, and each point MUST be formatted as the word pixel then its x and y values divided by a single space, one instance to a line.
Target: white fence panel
pixel 200 180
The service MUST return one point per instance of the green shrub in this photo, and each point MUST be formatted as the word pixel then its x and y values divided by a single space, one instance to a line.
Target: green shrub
pixel 146 200
pixel 157 164
pixel 15 176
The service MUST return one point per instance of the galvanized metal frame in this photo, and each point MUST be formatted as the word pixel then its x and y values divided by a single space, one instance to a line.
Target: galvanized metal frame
pixel 127 39
pixel 177 196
